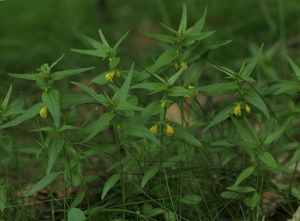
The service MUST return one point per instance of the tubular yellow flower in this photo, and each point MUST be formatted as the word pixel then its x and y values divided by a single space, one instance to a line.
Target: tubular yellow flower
pixel 170 130
pixel 153 129
pixel 109 76
pixel 248 109
pixel 237 110
pixel 43 112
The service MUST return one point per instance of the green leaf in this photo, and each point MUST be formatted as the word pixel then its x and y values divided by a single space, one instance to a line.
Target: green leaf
pixel 96 53
pixel 6 99
pixel 26 115
pixel 268 160
pixel 273 137
pixel 100 79
pixel 294 66
pixel 250 67
pixel 285 87
pixel 110 184
pixel 129 106
pixel 78 199
pixel 67 73
pixel 96 127
pixel 138 130
pixel 72 99
pixel 54 151
pixel 183 22
pixel 199 24
pixel 218 88
pixel 150 86
pixel 253 98
pixel 191 199
pixel 76 214
pixel 52 102
pixel 244 132
pixel 15 108
pixel 178 91
pixel 255 200
pixel 173 78
pixel 189 138
pixel 122 93
pixel 162 37
pixel 103 39
pixel 56 62
pixel 220 117
pixel 149 174
pixel 31 77
pixel 44 182
pixel 98 97
pixel 168 28
pixel 120 40
pixel 230 195
pixel 241 189
pixel 190 39
pixel 164 59
pixel 244 175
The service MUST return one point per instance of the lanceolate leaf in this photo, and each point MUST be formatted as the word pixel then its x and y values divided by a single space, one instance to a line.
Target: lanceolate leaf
pixel 199 24
pixel 244 175
pixel 183 22
pixel 120 40
pixel 26 115
pixel 56 62
pixel 294 66
pixel 110 184
pixel 7 97
pixel 138 130
pixel 62 74
pixel 150 173
pixel 122 93
pixel 164 59
pixel 55 149
pixel 221 116
pixel 98 97
pixel 189 138
pixel 268 160
pixel 277 134
pixel 96 127
pixel 31 77
pixel 96 52
pixel 52 101
pixel 44 182
pixel 253 98
pixel 172 79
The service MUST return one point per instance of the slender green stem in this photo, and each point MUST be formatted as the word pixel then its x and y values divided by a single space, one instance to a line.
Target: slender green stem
pixel 118 149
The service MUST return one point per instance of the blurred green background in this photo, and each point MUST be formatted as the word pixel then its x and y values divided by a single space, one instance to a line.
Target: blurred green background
pixel 34 32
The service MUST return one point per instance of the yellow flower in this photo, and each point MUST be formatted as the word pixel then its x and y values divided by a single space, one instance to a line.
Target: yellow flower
pixel 153 129
pixel 109 76
pixel 43 112
pixel 170 130
pixel 237 110
pixel 248 109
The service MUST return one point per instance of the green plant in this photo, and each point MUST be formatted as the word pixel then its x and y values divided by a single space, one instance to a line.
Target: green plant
pixel 117 147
